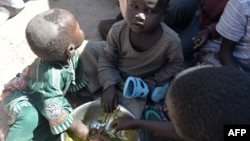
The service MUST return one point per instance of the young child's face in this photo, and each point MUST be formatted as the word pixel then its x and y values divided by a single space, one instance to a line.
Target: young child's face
pixel 77 35
pixel 143 15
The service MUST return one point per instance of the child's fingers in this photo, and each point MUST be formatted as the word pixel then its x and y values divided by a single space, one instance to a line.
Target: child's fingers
pixel 196 40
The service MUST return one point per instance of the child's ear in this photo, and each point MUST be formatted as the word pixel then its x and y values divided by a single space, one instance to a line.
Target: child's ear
pixel 70 49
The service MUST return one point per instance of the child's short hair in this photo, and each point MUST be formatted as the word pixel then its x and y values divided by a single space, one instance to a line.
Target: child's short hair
pixel 48 35
pixel 162 4
pixel 202 100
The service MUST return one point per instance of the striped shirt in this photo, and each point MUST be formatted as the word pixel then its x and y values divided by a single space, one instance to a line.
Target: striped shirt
pixel 43 84
pixel 155 65
pixel 235 26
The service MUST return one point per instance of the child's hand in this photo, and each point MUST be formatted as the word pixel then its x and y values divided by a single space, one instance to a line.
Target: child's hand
pixel 200 39
pixel 123 123
pixel 78 129
pixel 109 99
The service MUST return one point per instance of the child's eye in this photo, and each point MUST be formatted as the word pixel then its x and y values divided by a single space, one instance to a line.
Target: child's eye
pixel 133 5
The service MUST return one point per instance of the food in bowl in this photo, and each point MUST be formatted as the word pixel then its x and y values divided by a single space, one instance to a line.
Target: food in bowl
pixel 92 114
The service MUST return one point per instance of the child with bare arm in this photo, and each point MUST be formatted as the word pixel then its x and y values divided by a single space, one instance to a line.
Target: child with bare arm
pixel 193 100
pixel 235 45
pixel 193 106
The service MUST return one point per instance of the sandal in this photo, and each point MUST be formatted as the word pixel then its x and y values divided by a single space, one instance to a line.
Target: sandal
pixel 135 87
pixel 159 93
pixel 146 117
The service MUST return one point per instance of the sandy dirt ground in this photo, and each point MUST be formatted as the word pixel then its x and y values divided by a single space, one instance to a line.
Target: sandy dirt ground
pixel 15 53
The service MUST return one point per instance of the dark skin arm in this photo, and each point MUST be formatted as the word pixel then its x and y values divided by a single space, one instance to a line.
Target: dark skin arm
pixel 226 53
pixel 165 128
pixel 109 99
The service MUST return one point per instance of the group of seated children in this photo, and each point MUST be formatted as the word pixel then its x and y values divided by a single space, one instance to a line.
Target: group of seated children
pixel 141 63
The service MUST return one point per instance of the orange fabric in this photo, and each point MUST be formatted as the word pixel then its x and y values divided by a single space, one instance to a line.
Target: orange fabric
pixel 58 120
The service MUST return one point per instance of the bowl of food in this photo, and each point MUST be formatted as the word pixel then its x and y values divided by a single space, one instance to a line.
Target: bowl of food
pixel 98 121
